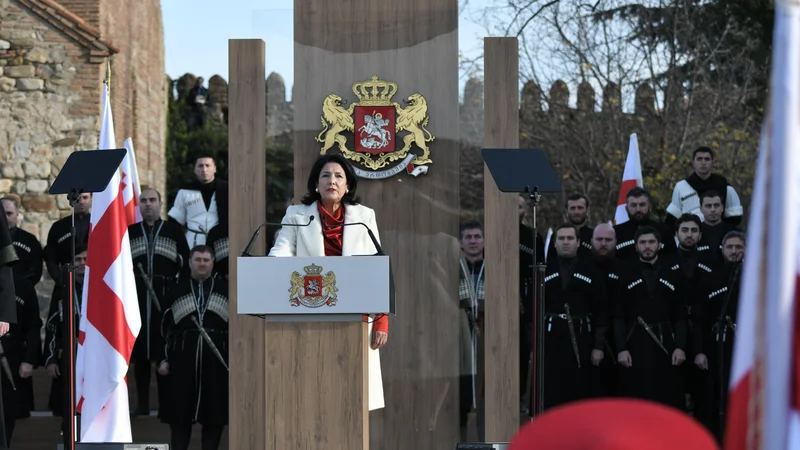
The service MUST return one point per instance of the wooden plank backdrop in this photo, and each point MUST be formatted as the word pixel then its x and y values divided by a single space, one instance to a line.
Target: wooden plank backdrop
pixel 501 237
pixel 246 173
pixel 413 43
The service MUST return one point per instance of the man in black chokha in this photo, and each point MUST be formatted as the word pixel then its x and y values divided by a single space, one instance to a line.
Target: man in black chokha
pixel 196 331
pixel 650 326
pixel 22 352
pixel 160 248
pixel 54 361
pixel 576 318
pixel 28 248
pixel 714 332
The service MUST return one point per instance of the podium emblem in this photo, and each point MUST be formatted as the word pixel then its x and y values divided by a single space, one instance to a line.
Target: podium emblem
pixel 313 289
pixel 374 123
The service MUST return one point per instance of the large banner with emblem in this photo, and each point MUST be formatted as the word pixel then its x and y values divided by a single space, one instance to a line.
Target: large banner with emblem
pixel 368 132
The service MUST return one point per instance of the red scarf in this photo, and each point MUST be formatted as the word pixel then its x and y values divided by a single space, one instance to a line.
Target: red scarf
pixel 332 230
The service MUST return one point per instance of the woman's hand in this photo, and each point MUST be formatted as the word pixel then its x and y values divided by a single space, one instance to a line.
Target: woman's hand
pixel 379 339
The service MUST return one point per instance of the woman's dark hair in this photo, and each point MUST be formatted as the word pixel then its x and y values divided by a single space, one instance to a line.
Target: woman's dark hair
pixel 350 175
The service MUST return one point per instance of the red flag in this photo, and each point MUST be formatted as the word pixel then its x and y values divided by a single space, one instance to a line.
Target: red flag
pixel 764 403
pixel 110 318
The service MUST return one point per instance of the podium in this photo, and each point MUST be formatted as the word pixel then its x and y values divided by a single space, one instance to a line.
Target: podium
pixel 322 379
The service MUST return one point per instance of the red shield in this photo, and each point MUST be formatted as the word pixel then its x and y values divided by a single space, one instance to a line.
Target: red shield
pixel 312 286
pixel 375 129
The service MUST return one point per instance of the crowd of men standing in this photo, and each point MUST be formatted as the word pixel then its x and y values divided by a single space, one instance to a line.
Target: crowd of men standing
pixel 641 309
pixel 181 277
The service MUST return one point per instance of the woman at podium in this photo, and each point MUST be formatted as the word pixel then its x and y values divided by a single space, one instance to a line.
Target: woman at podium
pixel 331 200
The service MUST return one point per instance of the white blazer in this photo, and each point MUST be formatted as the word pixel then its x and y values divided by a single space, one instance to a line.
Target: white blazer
pixel 309 241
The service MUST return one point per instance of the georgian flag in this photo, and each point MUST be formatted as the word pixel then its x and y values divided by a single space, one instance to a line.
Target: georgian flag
pixel 109 320
pixel 764 403
pixel 631 178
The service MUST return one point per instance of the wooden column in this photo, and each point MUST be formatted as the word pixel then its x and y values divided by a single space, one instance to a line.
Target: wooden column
pixel 413 43
pixel 501 237
pixel 246 173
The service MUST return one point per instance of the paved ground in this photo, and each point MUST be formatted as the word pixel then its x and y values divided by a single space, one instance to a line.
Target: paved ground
pixel 43 433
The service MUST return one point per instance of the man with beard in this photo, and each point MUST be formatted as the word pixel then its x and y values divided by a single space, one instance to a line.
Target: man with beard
pixel 638 205
pixel 198 380
pixel 28 248
pixel 160 247
pixel 691 262
pixel 22 349
pixel 54 361
pixel 576 211
pixel 650 326
pixel 526 289
pixel 714 332
pixel 687 193
pixel 714 228
pixel 202 204
pixel 690 257
pixel 472 300
pixel 604 242
pixel 58 250
pixel 576 318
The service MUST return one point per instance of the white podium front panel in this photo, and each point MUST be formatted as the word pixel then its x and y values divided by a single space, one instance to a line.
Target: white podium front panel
pixel 313 286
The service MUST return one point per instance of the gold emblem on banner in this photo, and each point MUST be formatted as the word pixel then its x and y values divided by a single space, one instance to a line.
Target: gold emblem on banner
pixel 314 289
pixel 374 123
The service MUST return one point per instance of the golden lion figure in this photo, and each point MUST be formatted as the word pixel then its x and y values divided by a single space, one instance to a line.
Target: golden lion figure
pixel 297 286
pixel 340 119
pixel 414 119
pixel 329 283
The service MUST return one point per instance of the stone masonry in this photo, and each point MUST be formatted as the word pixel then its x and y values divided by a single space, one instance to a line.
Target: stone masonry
pixel 52 65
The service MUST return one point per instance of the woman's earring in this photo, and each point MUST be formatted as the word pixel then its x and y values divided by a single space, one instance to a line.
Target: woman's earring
pixel 317 189
pixel 347 191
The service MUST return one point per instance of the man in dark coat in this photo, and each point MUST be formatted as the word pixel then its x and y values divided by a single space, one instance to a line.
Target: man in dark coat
pixel 8 304
pixel 650 326
pixel 604 242
pixel 22 350
pixel 58 250
pixel 161 250
pixel 576 318
pixel 54 359
pixel 714 332
pixel 28 248
pixel 638 204
pixel 198 379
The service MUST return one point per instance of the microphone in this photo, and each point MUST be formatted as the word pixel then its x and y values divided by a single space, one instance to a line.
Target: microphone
pixel 246 251
pixel 369 231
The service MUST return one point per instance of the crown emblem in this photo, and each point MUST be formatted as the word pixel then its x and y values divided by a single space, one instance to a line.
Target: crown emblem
pixel 375 92
pixel 313 269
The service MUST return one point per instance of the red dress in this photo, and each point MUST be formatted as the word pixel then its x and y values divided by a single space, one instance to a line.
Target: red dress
pixel 333 234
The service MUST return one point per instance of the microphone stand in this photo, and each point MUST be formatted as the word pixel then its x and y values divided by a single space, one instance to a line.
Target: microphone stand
pixel 536 376
pixel 68 332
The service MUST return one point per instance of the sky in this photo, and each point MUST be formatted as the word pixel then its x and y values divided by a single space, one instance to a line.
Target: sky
pixel 196 34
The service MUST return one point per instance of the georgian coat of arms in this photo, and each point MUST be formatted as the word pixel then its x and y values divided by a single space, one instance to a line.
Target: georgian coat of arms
pixel 314 289
pixel 374 123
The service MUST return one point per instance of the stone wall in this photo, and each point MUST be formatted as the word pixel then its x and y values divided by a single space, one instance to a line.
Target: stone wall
pixel 46 112
pixel 52 64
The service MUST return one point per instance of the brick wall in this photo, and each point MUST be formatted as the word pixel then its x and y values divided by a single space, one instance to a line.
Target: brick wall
pixel 138 83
